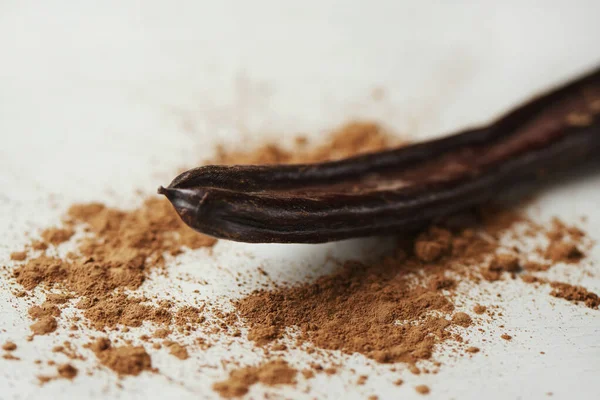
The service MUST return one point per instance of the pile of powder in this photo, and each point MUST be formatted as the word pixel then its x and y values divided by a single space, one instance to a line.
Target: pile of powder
pixel 393 310
pixel 125 360
pixel 276 372
pixel 399 308
pixel 349 140
pixel 120 248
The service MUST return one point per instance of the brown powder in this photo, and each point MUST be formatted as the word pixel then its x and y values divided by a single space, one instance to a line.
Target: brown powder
pixel 122 247
pixel 575 294
pixel 161 333
pixel 46 309
pixel 534 266
pixel 121 309
pixel 472 350
pixel 67 371
pixel 351 139
pixel 178 351
pixel 125 360
pixel 44 326
pixel 271 373
pixel 563 243
pixel 9 346
pixel 18 256
pixel 504 262
pixel 396 309
pixel 57 236
pixel 462 319
pixel 422 389
pixel 479 309
pixel 433 244
pixel 560 251
pixel 506 336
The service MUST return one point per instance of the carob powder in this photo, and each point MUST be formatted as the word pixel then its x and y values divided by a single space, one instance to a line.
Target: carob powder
pixel 398 308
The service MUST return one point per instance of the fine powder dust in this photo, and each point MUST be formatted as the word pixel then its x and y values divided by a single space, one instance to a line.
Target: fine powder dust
pixel 397 309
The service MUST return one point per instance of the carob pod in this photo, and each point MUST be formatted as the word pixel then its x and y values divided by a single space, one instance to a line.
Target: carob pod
pixel 393 190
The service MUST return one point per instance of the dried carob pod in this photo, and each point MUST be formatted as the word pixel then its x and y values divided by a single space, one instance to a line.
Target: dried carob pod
pixel 394 190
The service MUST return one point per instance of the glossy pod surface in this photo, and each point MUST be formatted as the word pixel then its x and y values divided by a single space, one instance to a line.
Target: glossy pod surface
pixel 393 190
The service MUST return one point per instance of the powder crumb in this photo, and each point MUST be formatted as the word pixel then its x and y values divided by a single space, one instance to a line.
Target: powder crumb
pixel 38 245
pixel 9 356
pixel 560 251
pixel 46 309
pixel 9 346
pixel 472 350
pixel 433 244
pixel 504 262
pixel 67 371
pixel 125 360
pixel 506 336
pixel 479 309
pixel 575 294
pixel 178 351
pixel 308 373
pixel 276 372
pixel 161 333
pixel 422 389
pixel 414 370
pixel 18 256
pixel 462 319
pixel 44 326
pixel 42 379
pixel 57 236
pixel 534 266
pixel 362 380
pixel 373 397
pixel 398 382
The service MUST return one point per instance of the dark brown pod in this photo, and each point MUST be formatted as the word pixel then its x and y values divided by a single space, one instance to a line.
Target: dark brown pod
pixel 393 190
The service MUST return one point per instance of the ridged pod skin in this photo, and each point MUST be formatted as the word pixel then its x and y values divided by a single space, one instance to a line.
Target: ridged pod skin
pixel 394 190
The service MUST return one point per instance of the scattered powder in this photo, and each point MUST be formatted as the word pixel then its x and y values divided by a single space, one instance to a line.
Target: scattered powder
pixel 351 139
pixel 18 256
pixel 125 360
pixel 479 309
pixel 394 310
pixel 57 236
pixel 563 243
pixel 179 351
pixel 9 346
pixel 271 373
pixel 575 294
pixel 504 262
pixel 67 371
pixel 422 389
pixel 462 319
pixel 44 326
pixel 376 309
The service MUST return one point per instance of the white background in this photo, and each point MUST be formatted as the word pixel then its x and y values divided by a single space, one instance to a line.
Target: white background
pixel 100 99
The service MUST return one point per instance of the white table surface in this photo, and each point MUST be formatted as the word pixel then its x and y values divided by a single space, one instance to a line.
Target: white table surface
pixel 98 99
